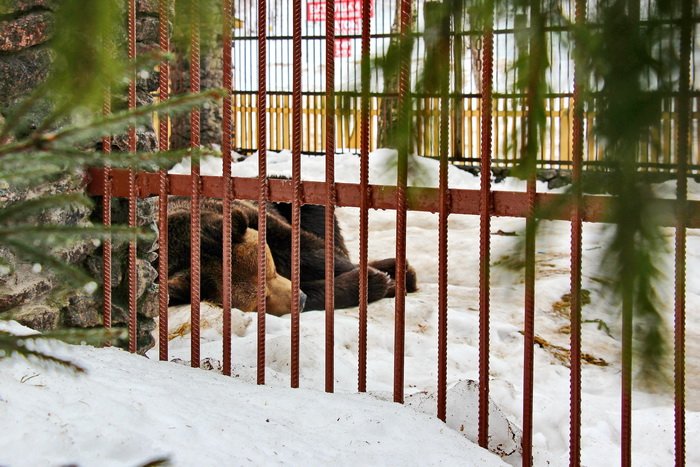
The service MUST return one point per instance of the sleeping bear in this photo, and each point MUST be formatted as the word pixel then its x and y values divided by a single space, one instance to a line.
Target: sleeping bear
pixel 244 245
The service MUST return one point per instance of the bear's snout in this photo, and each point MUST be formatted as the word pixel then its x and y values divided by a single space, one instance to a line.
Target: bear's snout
pixel 302 300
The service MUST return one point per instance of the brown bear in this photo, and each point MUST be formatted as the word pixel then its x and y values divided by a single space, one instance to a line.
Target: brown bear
pixel 244 241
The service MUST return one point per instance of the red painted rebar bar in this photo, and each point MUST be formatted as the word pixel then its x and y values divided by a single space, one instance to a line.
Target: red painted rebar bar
pixel 163 83
pixel 330 191
pixel 401 205
pixel 262 183
pixel 529 323
pixel 226 135
pixel 576 244
pixel 107 222
pixel 485 210
pixel 626 382
pixel 364 197
pixel 296 181
pixel 195 227
pixel 442 244
pixel 443 49
pixel 132 326
pixel 531 138
pixel 683 136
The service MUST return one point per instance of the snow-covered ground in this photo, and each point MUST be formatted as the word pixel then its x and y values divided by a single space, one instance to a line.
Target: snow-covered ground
pixel 652 413
pixel 129 410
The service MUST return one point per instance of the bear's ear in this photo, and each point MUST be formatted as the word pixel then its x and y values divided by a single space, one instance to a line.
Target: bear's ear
pixel 239 225
pixel 212 229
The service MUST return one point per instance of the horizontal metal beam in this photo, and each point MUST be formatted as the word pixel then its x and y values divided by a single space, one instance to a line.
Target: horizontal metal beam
pixel 460 201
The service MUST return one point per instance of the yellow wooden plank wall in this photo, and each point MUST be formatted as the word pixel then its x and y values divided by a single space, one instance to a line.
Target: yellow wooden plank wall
pixel 658 146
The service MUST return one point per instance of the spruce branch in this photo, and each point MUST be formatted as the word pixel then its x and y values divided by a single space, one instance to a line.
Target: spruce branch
pixel 12 345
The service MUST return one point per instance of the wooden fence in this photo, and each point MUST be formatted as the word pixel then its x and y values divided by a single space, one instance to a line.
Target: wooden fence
pixel 658 153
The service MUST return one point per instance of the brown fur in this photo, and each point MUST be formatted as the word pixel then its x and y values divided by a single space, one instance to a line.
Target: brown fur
pixel 244 251
pixel 244 217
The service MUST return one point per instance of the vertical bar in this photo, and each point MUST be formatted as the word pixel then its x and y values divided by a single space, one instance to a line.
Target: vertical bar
pixel 163 82
pixel 330 190
pixel 683 105
pixel 626 377
pixel 458 112
pixel 132 183
pixel 531 142
pixel 364 199
pixel 442 226
pixel 262 177
pixel 485 207
pixel 296 182
pixel 226 135
pixel 529 323
pixel 576 244
pixel 107 222
pixel 627 314
pixel 627 330
pixel 195 214
pixel 401 204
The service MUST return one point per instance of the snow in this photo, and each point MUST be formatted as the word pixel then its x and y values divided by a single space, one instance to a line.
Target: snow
pixel 129 410
pixel 652 412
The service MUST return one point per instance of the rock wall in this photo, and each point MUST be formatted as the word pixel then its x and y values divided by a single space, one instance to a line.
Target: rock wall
pixel 29 293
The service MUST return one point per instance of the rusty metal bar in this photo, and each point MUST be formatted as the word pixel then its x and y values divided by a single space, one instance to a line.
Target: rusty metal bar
pixel 444 50
pixel 226 137
pixel 296 181
pixel 107 222
pixel 626 382
pixel 530 145
pixel 462 201
pixel 401 205
pixel 683 136
pixel 132 326
pixel 330 191
pixel 485 211
pixel 163 83
pixel 529 323
pixel 262 183
pixel 195 227
pixel 576 257
pixel 364 197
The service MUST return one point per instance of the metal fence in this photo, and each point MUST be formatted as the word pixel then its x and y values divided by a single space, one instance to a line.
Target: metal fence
pixel 465 88
pixel 483 108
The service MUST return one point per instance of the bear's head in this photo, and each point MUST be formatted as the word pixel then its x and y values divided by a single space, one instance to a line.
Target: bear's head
pixel 244 278
pixel 244 259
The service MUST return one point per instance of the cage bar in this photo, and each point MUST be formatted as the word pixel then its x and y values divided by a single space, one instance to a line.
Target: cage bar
pixel 485 212
pixel 226 138
pixel 404 105
pixel 683 137
pixel 107 222
pixel 462 201
pixel 262 184
pixel 576 257
pixel 195 227
pixel 163 145
pixel 296 200
pixel 442 49
pixel 364 196
pixel 330 191
pixel 132 326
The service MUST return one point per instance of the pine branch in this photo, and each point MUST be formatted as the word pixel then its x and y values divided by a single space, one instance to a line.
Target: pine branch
pixel 11 345
pixel 108 125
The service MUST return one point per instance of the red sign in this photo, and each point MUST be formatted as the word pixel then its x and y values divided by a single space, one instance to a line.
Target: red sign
pixel 343 48
pixel 348 18
pixel 345 10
